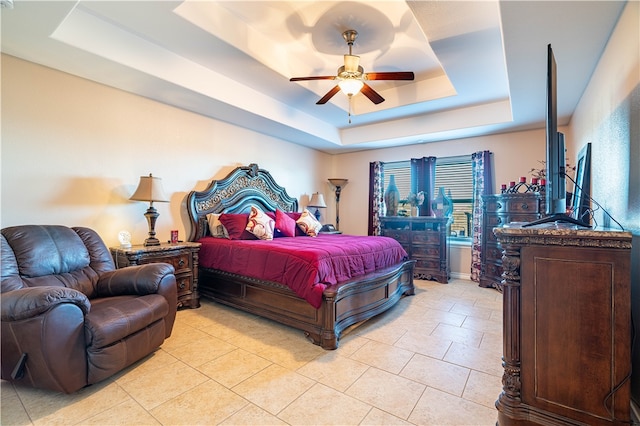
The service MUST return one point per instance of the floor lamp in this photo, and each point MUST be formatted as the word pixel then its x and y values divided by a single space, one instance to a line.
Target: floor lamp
pixel 338 185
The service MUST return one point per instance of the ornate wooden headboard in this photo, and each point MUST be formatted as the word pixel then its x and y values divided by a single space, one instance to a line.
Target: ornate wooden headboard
pixel 243 187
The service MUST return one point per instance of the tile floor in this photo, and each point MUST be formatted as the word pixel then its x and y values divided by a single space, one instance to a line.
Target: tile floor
pixel 434 359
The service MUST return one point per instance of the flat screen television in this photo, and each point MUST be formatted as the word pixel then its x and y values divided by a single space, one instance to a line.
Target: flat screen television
pixel 555 187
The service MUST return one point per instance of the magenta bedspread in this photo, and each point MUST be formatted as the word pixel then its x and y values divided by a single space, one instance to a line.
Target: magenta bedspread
pixel 306 265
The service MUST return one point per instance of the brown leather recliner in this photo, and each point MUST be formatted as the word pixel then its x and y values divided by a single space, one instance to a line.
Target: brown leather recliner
pixel 69 318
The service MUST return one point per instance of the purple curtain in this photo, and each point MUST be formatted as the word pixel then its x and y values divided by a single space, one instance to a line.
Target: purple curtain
pixel 376 196
pixel 482 185
pixel 423 173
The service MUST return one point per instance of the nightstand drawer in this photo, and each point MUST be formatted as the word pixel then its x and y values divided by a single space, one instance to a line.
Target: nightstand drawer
pixel 426 237
pixel 398 235
pixel 180 260
pixel 182 256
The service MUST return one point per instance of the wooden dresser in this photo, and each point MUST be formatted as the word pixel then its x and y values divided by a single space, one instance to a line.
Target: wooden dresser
pixel 498 210
pixel 567 326
pixel 184 258
pixel 426 241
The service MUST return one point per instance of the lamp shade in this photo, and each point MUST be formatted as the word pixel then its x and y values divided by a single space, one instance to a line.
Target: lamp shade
pixel 317 200
pixel 338 182
pixel 149 189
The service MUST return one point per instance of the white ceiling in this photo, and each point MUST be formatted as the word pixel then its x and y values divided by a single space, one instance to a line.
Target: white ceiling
pixel 480 66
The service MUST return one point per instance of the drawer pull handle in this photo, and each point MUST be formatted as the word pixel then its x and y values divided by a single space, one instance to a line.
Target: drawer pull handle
pixel 182 285
pixel 499 220
pixel 498 206
pixel 181 262
pixel 525 206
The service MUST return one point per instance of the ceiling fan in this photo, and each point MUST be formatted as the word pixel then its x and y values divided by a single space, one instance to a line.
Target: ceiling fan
pixel 351 76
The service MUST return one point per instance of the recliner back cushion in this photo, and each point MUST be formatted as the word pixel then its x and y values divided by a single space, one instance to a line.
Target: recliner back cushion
pixel 51 256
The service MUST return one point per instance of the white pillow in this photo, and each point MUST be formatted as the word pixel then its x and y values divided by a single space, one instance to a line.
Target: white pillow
pixel 309 224
pixel 260 224
pixel 216 228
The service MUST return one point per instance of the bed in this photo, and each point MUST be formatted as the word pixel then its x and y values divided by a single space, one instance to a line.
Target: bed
pixel 323 316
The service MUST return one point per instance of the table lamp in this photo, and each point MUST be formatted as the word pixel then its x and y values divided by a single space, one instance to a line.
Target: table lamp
pixel 317 201
pixel 150 189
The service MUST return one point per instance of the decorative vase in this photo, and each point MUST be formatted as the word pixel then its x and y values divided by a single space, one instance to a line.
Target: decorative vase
pixel 442 205
pixel 392 197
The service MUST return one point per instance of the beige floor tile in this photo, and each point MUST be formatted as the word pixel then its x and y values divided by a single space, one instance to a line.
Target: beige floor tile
pixel 334 370
pixel 149 364
pixel 292 353
pixel 382 356
pixel 483 325
pixel 471 310
pixel 377 417
pixel 476 359
pixel 12 411
pixel 128 412
pixel 425 344
pixel 483 388
pixel 234 367
pixel 202 350
pixel 492 342
pixel 440 408
pixel 382 331
pixel 273 388
pixel 444 317
pixel 330 407
pixel 163 384
pixel 182 334
pixel 209 403
pixel 46 407
pixel 437 374
pixel 458 334
pixel 388 392
pixel 252 415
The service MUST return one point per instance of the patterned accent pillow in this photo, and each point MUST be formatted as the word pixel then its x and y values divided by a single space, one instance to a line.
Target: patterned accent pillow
pixel 260 224
pixel 309 224
pixel 216 228
pixel 285 225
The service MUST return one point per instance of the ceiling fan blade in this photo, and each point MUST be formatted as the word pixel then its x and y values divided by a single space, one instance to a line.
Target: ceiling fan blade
pixel 318 77
pixel 399 75
pixel 371 94
pixel 329 95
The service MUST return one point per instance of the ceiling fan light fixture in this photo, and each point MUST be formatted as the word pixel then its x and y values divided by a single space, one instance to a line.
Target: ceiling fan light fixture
pixel 350 86
pixel 351 63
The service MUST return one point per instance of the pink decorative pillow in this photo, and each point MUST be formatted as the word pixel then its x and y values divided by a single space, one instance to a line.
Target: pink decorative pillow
pixel 260 224
pixel 295 216
pixel 235 224
pixel 309 224
pixel 285 225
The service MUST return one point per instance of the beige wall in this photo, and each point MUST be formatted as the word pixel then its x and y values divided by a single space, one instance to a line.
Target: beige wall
pixel 73 151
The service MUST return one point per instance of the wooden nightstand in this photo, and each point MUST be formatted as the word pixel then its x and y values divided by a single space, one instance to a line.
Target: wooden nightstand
pixel 183 257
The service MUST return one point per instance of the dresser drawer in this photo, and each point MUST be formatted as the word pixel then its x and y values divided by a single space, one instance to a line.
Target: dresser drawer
pixel 401 236
pixel 493 220
pixel 426 263
pixel 425 251
pixel 426 237
pixel 493 253
pixel 522 206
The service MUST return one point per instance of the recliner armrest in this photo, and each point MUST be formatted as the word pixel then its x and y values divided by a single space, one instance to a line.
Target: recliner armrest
pixel 136 280
pixel 30 302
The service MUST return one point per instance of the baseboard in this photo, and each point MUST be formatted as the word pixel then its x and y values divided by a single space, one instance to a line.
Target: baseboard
pixel 460 276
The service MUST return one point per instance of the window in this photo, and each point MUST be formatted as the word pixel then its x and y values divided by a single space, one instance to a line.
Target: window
pixel 454 174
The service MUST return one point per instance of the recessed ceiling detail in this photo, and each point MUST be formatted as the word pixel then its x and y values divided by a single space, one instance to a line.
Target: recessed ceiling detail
pixel 478 65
